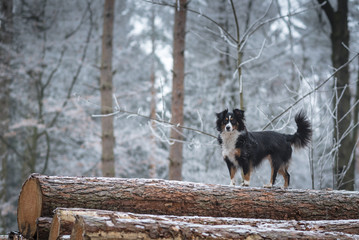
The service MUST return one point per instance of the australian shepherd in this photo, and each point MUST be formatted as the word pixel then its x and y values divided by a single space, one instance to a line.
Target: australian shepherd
pixel 246 150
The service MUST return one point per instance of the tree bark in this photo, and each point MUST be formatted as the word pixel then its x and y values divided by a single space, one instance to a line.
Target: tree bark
pixel 179 35
pixel 345 164
pixel 64 220
pixel 108 139
pixel 90 227
pixel 40 195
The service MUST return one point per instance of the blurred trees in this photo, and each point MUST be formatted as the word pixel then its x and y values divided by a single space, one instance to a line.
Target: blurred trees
pixel 6 72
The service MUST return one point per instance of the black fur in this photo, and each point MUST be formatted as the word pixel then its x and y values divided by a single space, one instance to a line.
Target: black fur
pixel 252 147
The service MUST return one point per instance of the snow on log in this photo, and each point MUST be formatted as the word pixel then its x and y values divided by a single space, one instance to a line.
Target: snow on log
pixel 40 195
pixel 90 227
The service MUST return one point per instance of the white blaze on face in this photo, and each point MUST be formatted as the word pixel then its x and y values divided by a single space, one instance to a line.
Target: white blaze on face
pixel 229 126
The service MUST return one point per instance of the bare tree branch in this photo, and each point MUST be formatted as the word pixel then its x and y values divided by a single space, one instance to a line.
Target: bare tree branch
pixel 196 12
pixel 74 79
pixel 310 92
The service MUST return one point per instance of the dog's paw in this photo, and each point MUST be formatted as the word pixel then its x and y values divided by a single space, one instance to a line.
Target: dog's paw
pixel 232 183
pixel 245 183
pixel 268 185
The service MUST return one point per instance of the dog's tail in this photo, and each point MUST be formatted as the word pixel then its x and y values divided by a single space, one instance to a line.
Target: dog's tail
pixel 302 137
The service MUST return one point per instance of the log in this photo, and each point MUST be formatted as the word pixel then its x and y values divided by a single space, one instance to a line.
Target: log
pixel 43 228
pixel 64 218
pixel 90 227
pixel 40 195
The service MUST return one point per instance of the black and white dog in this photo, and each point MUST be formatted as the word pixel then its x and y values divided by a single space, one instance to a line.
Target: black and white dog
pixel 246 150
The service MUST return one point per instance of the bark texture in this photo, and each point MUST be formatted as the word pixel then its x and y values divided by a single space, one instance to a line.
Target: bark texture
pixel 108 139
pixel 90 227
pixel 40 195
pixel 64 219
pixel 179 35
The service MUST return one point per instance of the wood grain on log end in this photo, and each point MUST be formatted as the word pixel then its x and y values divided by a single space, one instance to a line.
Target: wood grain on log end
pixel 63 220
pixel 29 206
pixel 55 228
pixel 78 229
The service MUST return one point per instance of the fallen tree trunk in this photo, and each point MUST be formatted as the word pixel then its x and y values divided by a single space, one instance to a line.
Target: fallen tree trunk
pixel 40 195
pixel 64 218
pixel 90 227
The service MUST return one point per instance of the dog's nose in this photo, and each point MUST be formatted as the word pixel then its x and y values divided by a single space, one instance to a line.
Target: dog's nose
pixel 228 128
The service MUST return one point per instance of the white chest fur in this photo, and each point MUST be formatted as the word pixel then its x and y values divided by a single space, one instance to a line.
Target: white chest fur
pixel 229 140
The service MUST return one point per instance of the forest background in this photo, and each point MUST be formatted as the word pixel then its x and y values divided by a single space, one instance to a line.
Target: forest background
pixel 277 56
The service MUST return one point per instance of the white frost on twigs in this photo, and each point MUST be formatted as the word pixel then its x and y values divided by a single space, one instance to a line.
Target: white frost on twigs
pixel 31 122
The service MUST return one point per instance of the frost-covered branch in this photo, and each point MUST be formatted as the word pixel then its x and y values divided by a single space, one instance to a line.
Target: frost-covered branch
pixel 258 24
pixel 79 68
pixel 118 111
pixel 310 92
pixel 196 12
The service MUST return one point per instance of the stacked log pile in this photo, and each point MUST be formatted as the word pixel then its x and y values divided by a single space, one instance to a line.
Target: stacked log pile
pixel 52 207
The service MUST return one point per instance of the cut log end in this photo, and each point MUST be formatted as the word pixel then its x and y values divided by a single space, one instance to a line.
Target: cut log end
pixel 55 228
pixel 63 220
pixel 78 229
pixel 29 207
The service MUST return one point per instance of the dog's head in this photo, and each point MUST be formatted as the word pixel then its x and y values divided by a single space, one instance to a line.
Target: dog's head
pixel 230 121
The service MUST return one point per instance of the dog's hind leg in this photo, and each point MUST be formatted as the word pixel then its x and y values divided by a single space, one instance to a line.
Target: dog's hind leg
pixel 284 172
pixel 274 171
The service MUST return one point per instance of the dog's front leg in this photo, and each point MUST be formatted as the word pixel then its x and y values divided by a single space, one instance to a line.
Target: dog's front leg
pixel 246 175
pixel 232 171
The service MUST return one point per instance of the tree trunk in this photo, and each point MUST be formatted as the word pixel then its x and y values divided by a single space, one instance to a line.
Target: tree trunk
pixel 90 227
pixel 179 34
pixel 152 158
pixel 108 139
pixel 40 195
pixel 64 219
pixel 225 64
pixel 344 168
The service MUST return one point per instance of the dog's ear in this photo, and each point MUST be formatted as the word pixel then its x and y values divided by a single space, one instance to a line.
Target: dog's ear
pixel 222 114
pixel 220 117
pixel 239 114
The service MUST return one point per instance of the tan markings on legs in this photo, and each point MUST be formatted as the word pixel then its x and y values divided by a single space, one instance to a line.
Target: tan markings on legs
pixel 272 172
pixel 282 171
pixel 247 178
pixel 237 154
pixel 233 172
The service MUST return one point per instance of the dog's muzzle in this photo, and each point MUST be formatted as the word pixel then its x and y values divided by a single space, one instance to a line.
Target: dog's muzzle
pixel 229 127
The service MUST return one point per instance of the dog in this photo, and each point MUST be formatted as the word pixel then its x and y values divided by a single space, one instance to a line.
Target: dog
pixel 246 150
